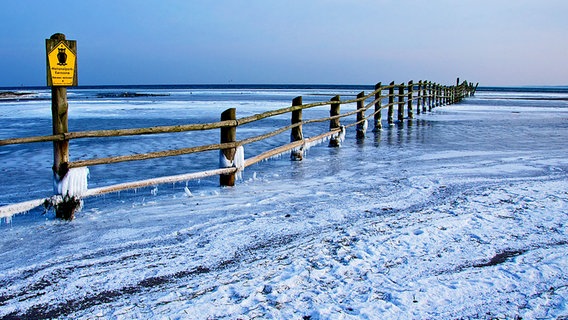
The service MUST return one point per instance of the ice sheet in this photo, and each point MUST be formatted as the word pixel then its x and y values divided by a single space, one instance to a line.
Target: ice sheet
pixel 460 214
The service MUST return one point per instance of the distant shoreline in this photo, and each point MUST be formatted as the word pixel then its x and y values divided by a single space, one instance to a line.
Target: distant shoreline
pixel 14 95
pixel 18 91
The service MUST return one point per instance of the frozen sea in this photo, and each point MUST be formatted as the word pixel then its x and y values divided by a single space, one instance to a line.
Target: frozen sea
pixel 458 214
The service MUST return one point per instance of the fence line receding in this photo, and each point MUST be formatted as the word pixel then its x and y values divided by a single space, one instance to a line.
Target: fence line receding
pixel 71 179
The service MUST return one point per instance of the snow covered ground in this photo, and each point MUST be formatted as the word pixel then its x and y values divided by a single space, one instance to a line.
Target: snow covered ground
pixel 460 214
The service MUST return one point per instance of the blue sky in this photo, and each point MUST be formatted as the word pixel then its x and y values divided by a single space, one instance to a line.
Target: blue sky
pixel 494 42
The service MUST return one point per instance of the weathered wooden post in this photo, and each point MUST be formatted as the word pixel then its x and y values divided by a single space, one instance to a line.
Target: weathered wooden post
pixel 296 133
pixel 419 98
pixel 391 104
pixel 401 102
pixel 434 95
pixel 409 99
pixel 334 123
pixel 378 114
pixel 424 96
pixel 455 94
pixel 228 135
pixel 440 97
pixel 61 63
pixel 362 123
pixel 430 95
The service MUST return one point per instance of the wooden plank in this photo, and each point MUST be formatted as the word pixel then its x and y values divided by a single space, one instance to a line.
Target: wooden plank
pixel 290 146
pixel 157 181
pixel 151 155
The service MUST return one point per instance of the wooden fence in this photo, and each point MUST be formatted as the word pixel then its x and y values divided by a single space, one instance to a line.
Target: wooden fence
pixel 414 98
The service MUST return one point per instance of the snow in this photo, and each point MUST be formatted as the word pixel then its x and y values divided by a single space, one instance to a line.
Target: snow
pixel 460 214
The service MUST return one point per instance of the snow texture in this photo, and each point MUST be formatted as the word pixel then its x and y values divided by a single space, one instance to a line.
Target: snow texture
pixel 461 214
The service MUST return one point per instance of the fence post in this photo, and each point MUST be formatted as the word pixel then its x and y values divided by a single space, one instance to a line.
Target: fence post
pixel 59 108
pixel 424 96
pixel 401 102
pixel 391 104
pixel 361 126
pixel 296 134
pixel 430 94
pixel 409 98
pixel 420 98
pixel 434 95
pixel 454 95
pixel 335 140
pixel 378 114
pixel 228 134
pixel 59 115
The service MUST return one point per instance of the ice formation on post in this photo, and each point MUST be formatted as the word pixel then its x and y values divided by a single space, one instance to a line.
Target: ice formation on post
pixel 69 191
pixel 240 158
pixel 339 137
pixel 362 128
pixel 74 184
pixel 238 162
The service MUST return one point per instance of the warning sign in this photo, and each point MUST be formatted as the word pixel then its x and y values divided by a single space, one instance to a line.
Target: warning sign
pixel 61 64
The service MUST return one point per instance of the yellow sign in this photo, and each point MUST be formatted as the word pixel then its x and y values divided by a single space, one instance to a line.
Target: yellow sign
pixel 62 65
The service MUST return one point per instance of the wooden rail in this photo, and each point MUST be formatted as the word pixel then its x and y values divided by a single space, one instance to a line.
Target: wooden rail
pixel 420 97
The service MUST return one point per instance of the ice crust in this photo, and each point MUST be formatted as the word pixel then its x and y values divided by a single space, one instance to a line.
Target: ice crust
pixel 238 162
pixel 447 217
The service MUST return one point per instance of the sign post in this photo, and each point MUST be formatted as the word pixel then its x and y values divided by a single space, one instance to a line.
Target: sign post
pixel 61 73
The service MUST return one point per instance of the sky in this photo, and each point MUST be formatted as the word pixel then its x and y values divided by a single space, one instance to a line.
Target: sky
pixel 493 42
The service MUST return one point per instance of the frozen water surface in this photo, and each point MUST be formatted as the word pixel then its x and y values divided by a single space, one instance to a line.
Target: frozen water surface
pixel 461 213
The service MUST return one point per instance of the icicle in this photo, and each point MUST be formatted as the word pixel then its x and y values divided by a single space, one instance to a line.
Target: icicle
pixel 314 143
pixel 187 192
pixel 340 136
pixel 238 162
pixel 297 154
pixel 240 158
pixel 74 184
pixel 223 161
